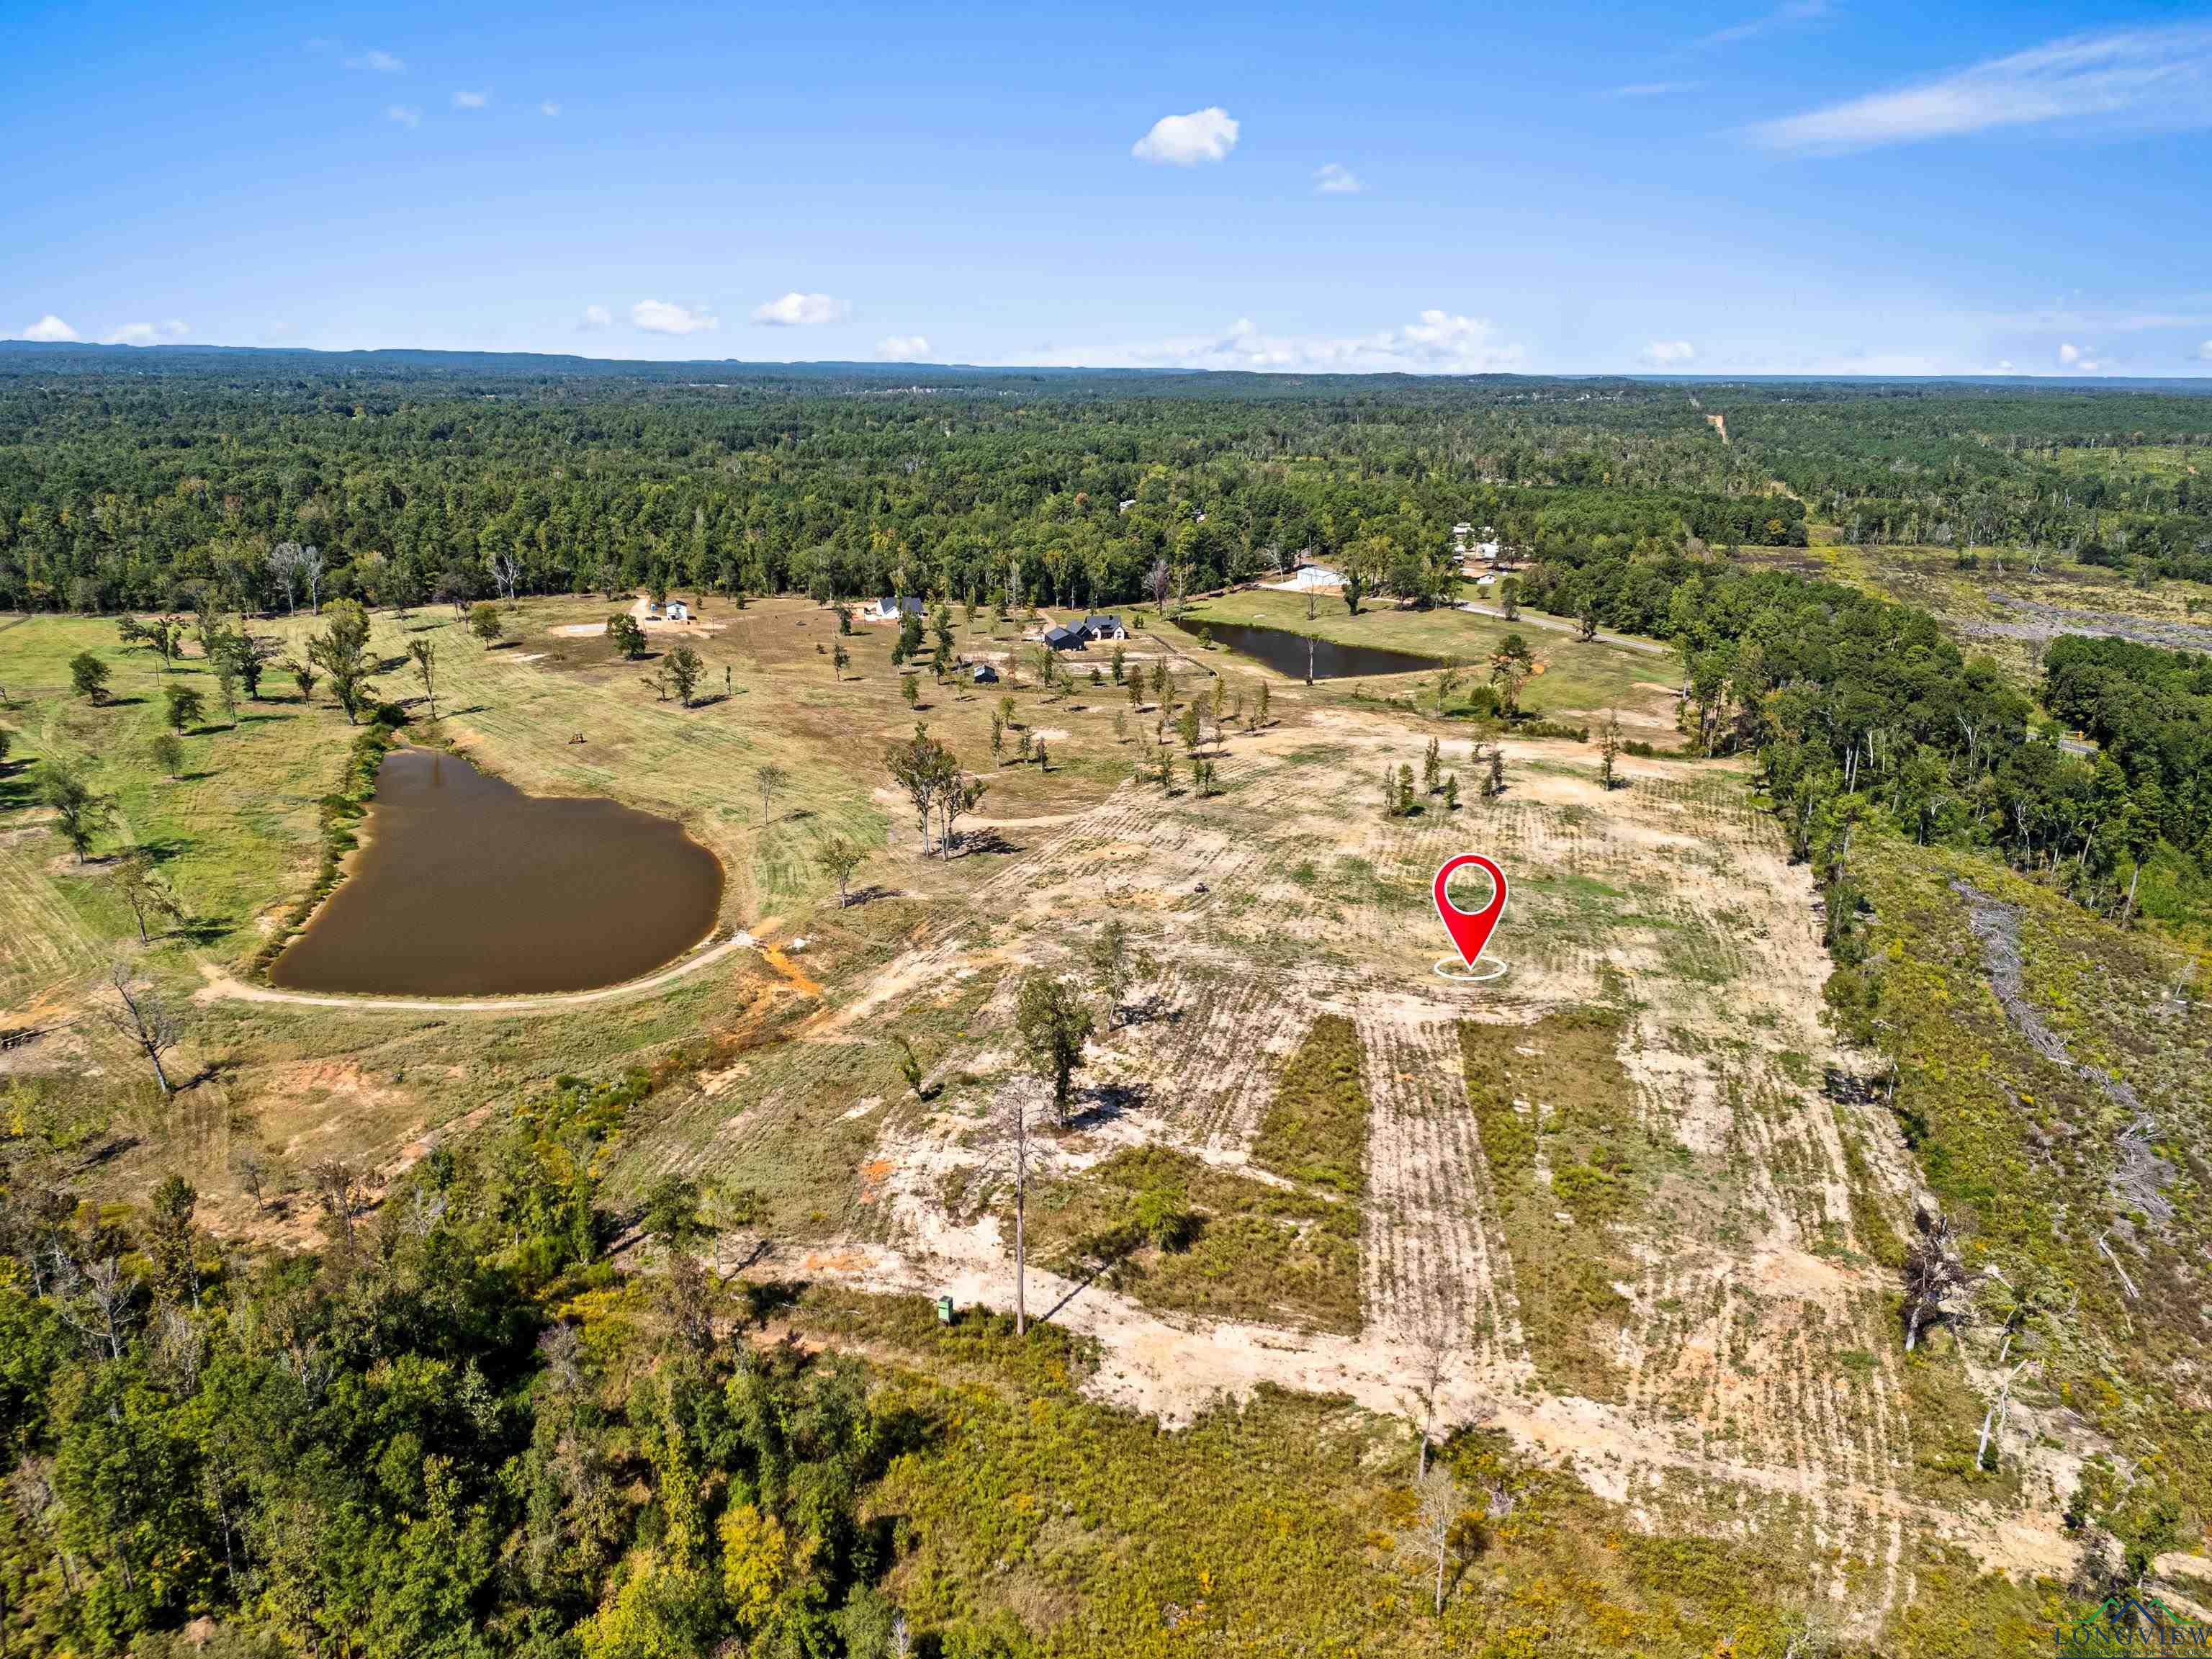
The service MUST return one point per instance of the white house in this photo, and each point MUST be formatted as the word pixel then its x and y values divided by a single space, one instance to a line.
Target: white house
pixel 679 611
pixel 1308 577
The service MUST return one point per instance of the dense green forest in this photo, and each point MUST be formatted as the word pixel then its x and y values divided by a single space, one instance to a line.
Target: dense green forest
pixel 272 480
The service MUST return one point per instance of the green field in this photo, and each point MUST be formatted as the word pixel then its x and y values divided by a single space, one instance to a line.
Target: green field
pixel 1577 677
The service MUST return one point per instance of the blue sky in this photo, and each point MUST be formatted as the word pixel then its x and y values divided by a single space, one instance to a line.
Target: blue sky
pixel 1709 185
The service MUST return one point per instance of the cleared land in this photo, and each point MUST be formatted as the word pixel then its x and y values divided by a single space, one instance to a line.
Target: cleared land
pixel 1626 1208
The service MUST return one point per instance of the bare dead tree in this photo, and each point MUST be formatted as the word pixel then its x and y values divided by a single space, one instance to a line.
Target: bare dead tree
pixel 1438 1509
pixel 140 1016
pixel 506 574
pixel 1015 1110
pixel 311 572
pixel 1933 1275
pixel 1432 1357
pixel 343 1194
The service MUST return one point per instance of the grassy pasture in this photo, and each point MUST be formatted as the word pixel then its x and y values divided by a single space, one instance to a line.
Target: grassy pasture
pixel 1577 677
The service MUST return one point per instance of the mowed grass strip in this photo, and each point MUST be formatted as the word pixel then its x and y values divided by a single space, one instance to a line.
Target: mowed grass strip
pixel 1556 1112
pixel 1316 1129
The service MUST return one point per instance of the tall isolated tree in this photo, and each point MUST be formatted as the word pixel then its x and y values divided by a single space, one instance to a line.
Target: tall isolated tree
pixel 486 623
pixel 185 708
pixel 1053 1024
pixel 838 861
pixel 425 655
pixel 88 675
pixel 922 766
pixel 342 652
pixel 79 812
pixel 684 670
pixel 772 780
pixel 144 889
pixel 1013 1114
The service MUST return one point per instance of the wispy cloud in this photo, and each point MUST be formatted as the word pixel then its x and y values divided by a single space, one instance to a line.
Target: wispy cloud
pixel 471 99
pixel 1437 342
pixel 903 348
pixel 796 310
pixel 1791 11
pixel 407 115
pixel 1334 178
pixel 1669 354
pixel 51 328
pixel 1653 89
pixel 2078 360
pixel 664 317
pixel 383 63
pixel 2158 77
pixel 595 317
pixel 549 107
pixel 1184 141
pixel 2204 352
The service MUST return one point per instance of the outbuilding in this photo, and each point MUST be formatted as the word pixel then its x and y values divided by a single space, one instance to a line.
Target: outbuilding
pixel 983 674
pixel 1065 639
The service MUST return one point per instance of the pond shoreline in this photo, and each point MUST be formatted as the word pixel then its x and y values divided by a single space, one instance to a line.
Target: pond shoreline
pixel 443 880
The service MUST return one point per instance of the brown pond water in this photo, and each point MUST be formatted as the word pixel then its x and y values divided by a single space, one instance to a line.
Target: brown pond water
pixel 466 886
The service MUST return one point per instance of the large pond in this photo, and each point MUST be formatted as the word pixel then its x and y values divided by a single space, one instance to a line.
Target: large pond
pixel 1295 654
pixel 466 886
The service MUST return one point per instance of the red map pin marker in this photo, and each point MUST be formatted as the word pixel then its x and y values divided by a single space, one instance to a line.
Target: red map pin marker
pixel 1470 929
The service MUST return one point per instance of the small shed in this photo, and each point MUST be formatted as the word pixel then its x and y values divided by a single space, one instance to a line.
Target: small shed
pixel 983 674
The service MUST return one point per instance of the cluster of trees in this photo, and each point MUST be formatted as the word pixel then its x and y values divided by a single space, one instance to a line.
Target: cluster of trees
pixel 450 1431
pixel 1861 709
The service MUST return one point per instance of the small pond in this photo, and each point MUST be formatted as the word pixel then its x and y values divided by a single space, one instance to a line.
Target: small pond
pixel 464 886
pixel 1289 653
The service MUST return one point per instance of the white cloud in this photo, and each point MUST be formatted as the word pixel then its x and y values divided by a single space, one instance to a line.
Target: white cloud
pixel 2204 352
pixel 662 317
pixel 1334 178
pixel 904 347
pixel 2004 365
pixel 471 99
pixel 406 114
pixel 146 334
pixel 1436 342
pixel 50 327
pixel 549 107
pixel 382 62
pixel 2082 360
pixel 2159 78
pixel 1669 354
pixel 1653 89
pixel 797 310
pixel 596 317
pixel 1792 11
pixel 1183 141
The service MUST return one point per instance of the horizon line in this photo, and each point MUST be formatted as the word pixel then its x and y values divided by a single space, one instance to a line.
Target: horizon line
pixel 877 366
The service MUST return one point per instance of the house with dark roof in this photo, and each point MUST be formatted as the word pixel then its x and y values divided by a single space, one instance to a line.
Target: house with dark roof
pixel 1102 627
pixel 1065 639
pixel 983 674
pixel 891 608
